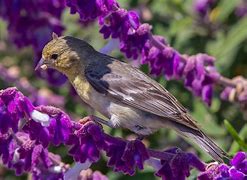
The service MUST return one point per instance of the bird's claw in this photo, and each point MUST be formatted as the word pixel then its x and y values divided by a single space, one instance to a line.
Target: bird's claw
pixel 101 121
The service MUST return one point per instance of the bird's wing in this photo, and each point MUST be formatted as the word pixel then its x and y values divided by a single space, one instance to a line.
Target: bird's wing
pixel 131 86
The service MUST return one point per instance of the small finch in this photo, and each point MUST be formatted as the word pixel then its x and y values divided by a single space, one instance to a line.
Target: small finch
pixel 122 93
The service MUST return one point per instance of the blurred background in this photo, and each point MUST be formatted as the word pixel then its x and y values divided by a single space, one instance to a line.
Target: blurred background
pixel 215 27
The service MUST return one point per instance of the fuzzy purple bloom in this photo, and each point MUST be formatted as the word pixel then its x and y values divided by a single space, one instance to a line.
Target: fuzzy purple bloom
pixel 22 154
pixel 13 107
pixel 50 125
pixel 29 22
pixel 90 10
pixel 238 94
pixel 202 6
pixel 48 170
pixel 125 156
pixel 197 79
pixel 126 26
pixel 178 167
pixel 87 140
pixel 237 170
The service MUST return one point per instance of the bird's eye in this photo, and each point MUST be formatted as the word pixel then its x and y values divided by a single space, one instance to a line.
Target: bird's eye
pixel 54 56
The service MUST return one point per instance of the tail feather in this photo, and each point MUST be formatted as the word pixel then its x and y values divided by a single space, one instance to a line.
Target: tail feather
pixel 202 140
pixel 209 146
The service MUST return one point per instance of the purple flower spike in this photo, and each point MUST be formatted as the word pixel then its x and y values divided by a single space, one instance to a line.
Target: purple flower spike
pixel 52 125
pixel 202 6
pixel 237 170
pixel 47 169
pixel 87 141
pixel 13 107
pixel 239 161
pixel 25 154
pixel 125 156
pixel 90 10
pixel 196 77
pixel 115 149
pixel 179 165
pixel 126 26
pixel 135 153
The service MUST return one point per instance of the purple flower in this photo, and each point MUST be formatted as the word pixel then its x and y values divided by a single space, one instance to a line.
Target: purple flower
pixel 238 93
pixel 125 156
pixel 239 161
pixel 89 174
pixel 90 10
pixel 126 26
pixel 202 6
pixel 49 124
pixel 24 154
pixel 49 170
pixel 87 140
pixel 13 107
pixel 30 21
pixel 178 167
pixel 237 170
pixel 241 10
pixel 196 77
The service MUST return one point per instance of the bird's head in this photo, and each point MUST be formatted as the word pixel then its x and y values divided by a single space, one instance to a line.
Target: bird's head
pixel 65 54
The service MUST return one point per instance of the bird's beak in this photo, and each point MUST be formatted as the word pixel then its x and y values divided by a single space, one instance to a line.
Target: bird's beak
pixel 41 65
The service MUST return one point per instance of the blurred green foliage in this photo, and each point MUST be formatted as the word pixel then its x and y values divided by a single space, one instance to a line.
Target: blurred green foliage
pixel 224 37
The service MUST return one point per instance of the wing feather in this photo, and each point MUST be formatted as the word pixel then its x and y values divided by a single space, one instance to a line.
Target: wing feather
pixel 131 86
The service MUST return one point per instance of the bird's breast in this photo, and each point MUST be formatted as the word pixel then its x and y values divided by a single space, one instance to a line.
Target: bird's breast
pixel 89 95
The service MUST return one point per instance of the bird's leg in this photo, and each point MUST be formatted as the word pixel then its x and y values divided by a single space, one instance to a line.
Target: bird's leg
pixel 101 121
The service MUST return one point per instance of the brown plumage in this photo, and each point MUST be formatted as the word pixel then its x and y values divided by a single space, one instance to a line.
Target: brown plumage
pixel 122 93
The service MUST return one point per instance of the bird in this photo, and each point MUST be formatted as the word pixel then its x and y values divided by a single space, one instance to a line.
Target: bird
pixel 125 95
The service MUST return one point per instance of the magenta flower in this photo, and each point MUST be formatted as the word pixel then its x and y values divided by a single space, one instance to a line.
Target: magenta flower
pixel 49 124
pixel 13 107
pixel 125 26
pixel 202 6
pixel 125 156
pixel 90 10
pixel 87 141
pixel 237 170
pixel 48 170
pixel 178 167
pixel 22 154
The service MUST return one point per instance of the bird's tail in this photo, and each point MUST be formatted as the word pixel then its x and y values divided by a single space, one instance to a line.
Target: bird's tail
pixel 202 140
pixel 208 145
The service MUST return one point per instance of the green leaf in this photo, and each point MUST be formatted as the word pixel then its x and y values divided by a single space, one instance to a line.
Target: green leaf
pixel 235 135
pixel 180 25
pixel 225 48
pixel 235 146
pixel 206 120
